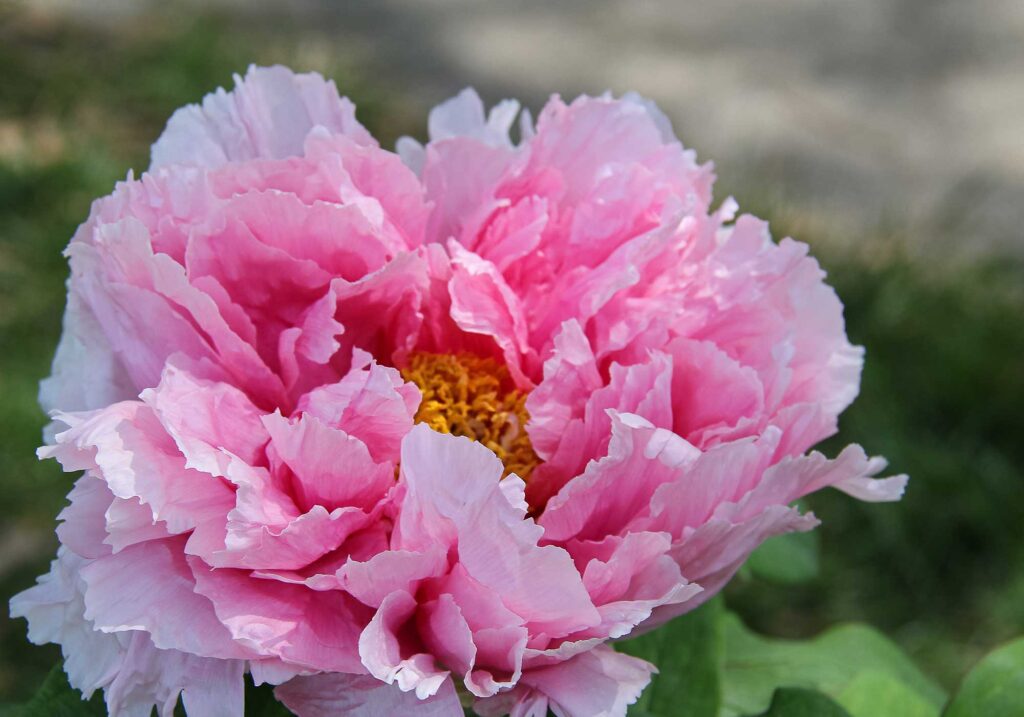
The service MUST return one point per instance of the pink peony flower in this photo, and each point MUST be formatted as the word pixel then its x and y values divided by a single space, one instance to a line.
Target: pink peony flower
pixel 387 429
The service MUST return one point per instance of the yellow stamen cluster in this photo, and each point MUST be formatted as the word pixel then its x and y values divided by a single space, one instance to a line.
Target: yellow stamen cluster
pixel 467 395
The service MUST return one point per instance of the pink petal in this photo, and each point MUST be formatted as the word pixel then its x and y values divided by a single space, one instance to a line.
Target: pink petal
pixel 377 182
pixel 371 402
pixel 381 311
pixel 157 677
pixel 329 467
pixel 84 529
pixel 207 420
pixel 55 610
pixel 570 377
pixel 642 388
pixel 129 522
pixel 159 599
pixel 598 683
pixel 87 374
pixel 265 530
pixel 615 490
pixel 371 581
pixel 388 659
pixel 315 630
pixel 710 391
pixel 134 674
pixel 268 114
pixel 130 450
pixel 482 303
pixel 328 695
pixel 454 495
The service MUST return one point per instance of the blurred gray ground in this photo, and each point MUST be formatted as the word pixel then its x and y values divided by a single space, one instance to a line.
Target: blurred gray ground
pixel 858 115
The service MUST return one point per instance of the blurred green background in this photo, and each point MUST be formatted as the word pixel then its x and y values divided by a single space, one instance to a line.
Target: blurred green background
pixel 942 572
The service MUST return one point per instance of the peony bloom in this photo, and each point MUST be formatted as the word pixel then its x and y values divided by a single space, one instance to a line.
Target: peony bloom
pixel 397 431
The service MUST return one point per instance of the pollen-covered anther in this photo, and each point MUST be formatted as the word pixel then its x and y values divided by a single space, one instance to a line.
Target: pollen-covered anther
pixel 473 396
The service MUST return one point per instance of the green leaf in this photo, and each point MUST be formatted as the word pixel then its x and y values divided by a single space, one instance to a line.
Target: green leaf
pixel 755 666
pixel 688 654
pixel 56 698
pixel 799 702
pixel 787 559
pixel 995 687
pixel 260 702
pixel 873 693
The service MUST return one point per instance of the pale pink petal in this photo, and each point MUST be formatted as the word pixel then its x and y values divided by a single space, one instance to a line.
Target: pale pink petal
pixel 265 529
pixel 570 377
pixel 379 183
pixel 150 676
pixel 582 291
pixel 629 578
pixel 512 234
pixel 86 373
pixel 209 421
pixel 463 116
pixel 98 523
pixel 592 132
pixel 130 315
pixel 713 553
pixel 617 489
pixel 447 635
pixel 461 176
pixel 328 695
pixel 267 115
pixel 723 474
pixel 482 303
pixel 329 467
pixel 55 611
pixel 371 581
pixel 84 529
pixel 598 683
pixel 149 310
pixel 316 630
pixel 134 675
pixel 454 494
pixel 642 388
pixel 387 659
pixel 130 450
pixel 851 472
pixel 129 522
pixel 160 600
pixel 371 402
pixel 469 627
pixel 711 392
pixel 346 240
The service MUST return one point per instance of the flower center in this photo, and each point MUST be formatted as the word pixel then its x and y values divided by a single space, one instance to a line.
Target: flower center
pixel 470 396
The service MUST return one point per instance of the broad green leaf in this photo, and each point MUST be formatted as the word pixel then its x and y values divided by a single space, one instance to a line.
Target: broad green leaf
pixel 995 687
pixel 787 559
pixel 56 698
pixel 755 666
pixel 874 693
pixel 688 654
pixel 799 702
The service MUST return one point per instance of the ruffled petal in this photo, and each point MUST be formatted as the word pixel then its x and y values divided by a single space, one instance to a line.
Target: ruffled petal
pixel 598 683
pixel 393 660
pixel 327 695
pixel 160 600
pixel 329 467
pixel 310 629
pixel 454 498
pixel 267 115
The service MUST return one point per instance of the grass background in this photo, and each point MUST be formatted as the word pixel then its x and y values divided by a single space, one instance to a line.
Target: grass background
pixel 942 572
